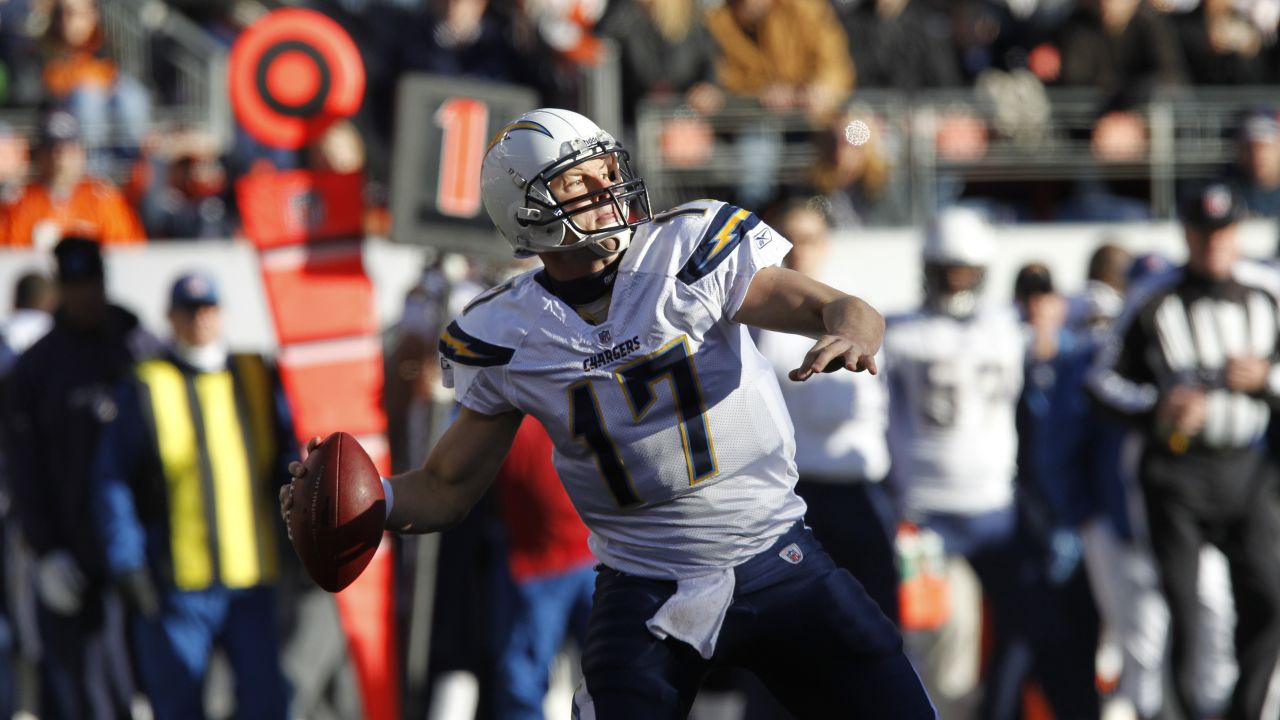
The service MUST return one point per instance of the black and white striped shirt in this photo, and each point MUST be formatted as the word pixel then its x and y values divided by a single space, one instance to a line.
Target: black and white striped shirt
pixel 1179 329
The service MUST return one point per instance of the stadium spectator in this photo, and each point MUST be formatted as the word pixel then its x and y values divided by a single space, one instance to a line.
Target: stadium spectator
pixel 18 44
pixel 547 597
pixel 1201 396
pixel 480 40
pixel 58 400
pixel 200 439
pixel 840 421
pixel 904 45
pixel 114 108
pixel 1122 47
pixel 855 176
pixel 1221 45
pixel 61 200
pixel 1256 173
pixel 666 53
pixel 183 188
pixel 787 55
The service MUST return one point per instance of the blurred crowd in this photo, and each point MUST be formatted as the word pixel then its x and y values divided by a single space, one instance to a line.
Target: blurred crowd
pixel 803 71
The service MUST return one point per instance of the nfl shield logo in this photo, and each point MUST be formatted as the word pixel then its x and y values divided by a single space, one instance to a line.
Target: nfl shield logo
pixel 605 337
pixel 792 554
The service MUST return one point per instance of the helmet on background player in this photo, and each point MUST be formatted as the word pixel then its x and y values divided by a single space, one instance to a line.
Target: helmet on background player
pixel 527 154
pixel 957 238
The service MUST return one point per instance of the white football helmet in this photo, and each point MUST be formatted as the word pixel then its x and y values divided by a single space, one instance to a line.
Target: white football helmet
pixel 956 237
pixel 533 149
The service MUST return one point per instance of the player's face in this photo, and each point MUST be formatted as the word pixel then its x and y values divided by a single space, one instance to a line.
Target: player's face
pixel 584 184
pixel 959 278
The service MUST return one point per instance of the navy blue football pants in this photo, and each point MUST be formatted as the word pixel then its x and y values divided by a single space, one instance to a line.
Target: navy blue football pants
pixel 809 631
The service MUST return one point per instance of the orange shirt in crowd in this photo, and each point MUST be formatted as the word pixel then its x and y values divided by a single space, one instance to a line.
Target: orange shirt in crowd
pixel 94 209
pixel 67 72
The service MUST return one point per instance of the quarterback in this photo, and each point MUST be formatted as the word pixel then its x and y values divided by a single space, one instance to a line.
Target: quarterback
pixel 630 345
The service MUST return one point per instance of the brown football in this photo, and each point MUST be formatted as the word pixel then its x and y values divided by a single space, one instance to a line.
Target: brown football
pixel 338 512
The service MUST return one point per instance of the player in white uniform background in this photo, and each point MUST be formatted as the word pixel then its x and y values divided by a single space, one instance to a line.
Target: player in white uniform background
pixel 954 369
pixel 631 347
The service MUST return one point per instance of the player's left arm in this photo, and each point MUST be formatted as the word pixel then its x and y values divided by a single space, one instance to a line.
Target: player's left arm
pixel 847 329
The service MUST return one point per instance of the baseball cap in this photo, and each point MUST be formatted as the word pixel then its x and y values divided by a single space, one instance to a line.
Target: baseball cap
pixel 192 290
pixel 57 126
pixel 1213 206
pixel 78 259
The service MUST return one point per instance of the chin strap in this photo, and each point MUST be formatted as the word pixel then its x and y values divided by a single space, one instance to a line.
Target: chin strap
pixel 604 248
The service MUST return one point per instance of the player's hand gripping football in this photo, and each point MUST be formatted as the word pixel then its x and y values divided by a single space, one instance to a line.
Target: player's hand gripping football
pixel 297 469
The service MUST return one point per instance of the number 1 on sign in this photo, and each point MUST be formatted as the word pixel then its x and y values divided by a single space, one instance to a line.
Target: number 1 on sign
pixel 462 122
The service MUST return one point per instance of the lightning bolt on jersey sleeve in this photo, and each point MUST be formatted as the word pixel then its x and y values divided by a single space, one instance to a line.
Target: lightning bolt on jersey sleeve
pixel 670 432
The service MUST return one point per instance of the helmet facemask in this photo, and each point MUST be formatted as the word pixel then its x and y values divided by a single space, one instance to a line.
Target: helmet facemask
pixel 943 296
pixel 627 195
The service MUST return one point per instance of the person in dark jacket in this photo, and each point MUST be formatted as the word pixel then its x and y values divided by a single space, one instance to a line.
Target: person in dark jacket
pixel 1192 363
pixel 183 481
pixel 60 394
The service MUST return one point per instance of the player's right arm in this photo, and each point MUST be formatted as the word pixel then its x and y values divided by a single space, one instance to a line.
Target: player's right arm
pixel 459 469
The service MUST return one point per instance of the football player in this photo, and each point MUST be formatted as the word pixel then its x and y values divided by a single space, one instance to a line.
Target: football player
pixel 954 369
pixel 630 346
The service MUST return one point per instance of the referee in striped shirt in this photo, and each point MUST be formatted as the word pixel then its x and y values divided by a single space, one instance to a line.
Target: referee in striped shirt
pixel 1193 361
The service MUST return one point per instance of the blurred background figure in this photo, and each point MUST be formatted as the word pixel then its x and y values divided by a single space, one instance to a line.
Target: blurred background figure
pixel 184 194
pixel 1106 280
pixel 58 399
pixel 1053 504
pixel 854 177
pixel 1222 46
pixel 61 199
pixel 840 421
pixel 1257 171
pixel 544 599
pixel 788 56
pixel 1121 47
pixel 954 369
pixel 183 479
pixel 666 55
pixel 114 108
pixel 1203 406
pixel 901 44
pixel 34 299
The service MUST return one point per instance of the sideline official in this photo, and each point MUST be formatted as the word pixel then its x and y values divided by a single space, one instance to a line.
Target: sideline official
pixel 1192 361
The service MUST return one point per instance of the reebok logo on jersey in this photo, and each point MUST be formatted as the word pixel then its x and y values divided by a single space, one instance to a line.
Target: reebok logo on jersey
pixel 764 238
pixel 617 352
pixel 792 554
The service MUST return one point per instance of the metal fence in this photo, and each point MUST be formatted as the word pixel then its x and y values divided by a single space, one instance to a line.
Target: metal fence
pixel 1029 135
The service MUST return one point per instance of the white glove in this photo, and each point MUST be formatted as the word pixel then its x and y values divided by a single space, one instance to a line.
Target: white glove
pixel 59 582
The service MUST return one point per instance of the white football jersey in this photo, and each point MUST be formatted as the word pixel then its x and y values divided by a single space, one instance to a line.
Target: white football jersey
pixel 953 393
pixel 670 431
